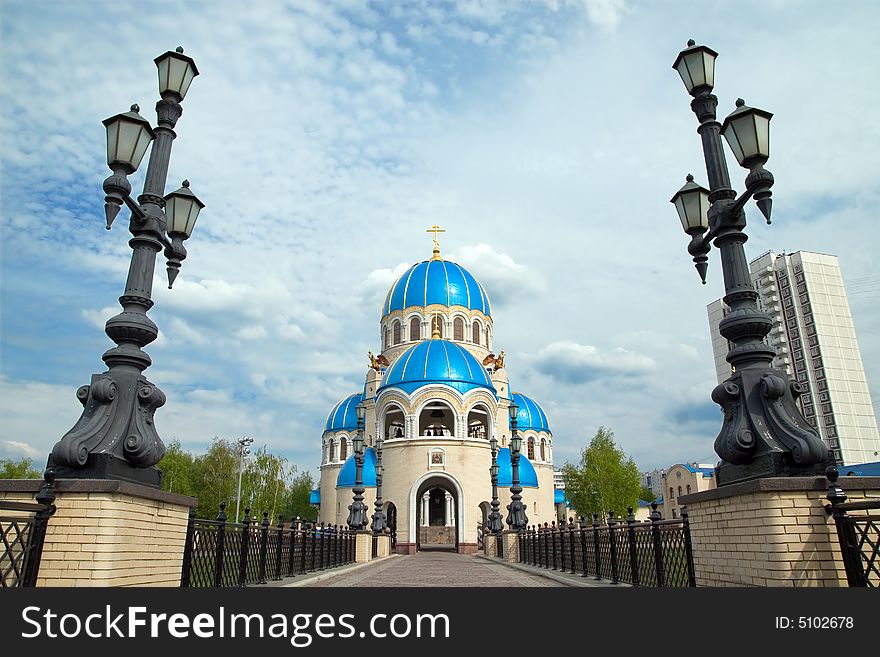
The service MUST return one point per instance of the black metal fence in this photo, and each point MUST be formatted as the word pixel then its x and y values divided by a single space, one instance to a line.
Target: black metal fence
pixel 652 553
pixel 220 553
pixel 859 535
pixel 22 533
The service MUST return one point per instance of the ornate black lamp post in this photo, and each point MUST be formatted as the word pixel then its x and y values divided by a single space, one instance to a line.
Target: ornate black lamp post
pixel 378 525
pixel 115 437
pixel 496 526
pixel 516 517
pixel 357 517
pixel 764 433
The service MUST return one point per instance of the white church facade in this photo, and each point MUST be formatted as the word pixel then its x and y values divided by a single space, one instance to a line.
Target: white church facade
pixel 435 397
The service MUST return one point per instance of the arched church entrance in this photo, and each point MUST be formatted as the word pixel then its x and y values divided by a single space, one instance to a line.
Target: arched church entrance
pixel 437 515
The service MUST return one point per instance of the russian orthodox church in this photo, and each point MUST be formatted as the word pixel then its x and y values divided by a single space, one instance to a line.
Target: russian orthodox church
pixel 436 395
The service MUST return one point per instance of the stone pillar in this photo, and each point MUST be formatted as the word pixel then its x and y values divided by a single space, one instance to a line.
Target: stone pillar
pixel 448 514
pixel 511 545
pixel 363 546
pixel 770 532
pixel 109 533
pixel 425 507
pixel 383 546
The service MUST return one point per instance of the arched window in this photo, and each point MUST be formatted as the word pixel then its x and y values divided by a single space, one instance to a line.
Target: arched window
pixel 326 452
pixel 332 450
pixel 415 329
pixel 671 492
pixel 488 343
pixel 396 329
pixel 679 490
pixel 543 452
pixel 387 342
pixel 458 329
pixel 343 449
pixel 476 333
pixel 437 325
pixel 531 449
pixel 688 489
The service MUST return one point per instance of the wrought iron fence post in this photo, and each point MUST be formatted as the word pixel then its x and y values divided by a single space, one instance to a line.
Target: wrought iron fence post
pixel 292 555
pixel 46 498
pixel 688 546
pixel 320 545
pixel 846 532
pixel 633 557
pixel 571 549
pixel 187 549
pixel 583 532
pixel 612 545
pixel 264 548
pixel 220 547
pixel 279 546
pixel 245 540
pixel 553 543
pixel 596 545
pixel 534 541
pixel 658 544
pixel 313 539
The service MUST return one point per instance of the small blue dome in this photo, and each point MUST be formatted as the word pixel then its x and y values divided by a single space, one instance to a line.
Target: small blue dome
pixel 436 281
pixel 528 478
pixel 530 414
pixel 436 361
pixel 345 479
pixel 344 416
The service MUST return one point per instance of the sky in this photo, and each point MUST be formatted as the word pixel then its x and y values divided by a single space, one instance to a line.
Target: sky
pixel 324 138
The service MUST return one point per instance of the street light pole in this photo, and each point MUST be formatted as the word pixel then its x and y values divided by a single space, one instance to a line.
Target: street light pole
pixel 496 526
pixel 516 517
pixel 115 438
pixel 378 525
pixel 764 433
pixel 357 517
pixel 243 450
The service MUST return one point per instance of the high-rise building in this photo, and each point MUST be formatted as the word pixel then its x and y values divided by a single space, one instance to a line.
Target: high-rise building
pixel 815 343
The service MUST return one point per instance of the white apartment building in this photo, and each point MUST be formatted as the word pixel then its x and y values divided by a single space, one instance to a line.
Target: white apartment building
pixel 816 344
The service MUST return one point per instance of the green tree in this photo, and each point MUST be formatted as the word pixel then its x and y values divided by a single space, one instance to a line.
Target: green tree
pixel 21 469
pixel 178 468
pixel 647 494
pixel 296 502
pixel 606 479
pixel 215 478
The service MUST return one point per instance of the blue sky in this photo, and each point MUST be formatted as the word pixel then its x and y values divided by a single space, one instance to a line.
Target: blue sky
pixel 325 137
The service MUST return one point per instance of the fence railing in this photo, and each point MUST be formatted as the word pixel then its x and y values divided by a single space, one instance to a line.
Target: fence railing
pixel 654 553
pixel 22 533
pixel 221 554
pixel 858 535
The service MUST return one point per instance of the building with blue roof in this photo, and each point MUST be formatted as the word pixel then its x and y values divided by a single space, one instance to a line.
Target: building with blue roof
pixel 684 479
pixel 433 401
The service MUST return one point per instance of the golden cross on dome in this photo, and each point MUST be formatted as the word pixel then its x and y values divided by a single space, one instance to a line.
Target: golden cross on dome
pixel 436 229
pixel 435 326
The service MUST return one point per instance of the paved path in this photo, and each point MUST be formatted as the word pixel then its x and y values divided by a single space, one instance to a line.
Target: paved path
pixel 434 569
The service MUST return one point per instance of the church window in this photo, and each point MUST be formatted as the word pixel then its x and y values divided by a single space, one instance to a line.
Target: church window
pixel 458 329
pixel 387 341
pixel 343 449
pixel 396 329
pixel 531 449
pixel 488 344
pixel 332 451
pixel 476 333
pixel 671 492
pixel 543 452
pixel 415 329
pixel 679 490
pixel 688 489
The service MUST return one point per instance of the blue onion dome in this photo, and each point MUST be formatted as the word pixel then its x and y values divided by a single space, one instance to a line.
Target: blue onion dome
pixel 436 281
pixel 345 479
pixel 528 478
pixel 343 417
pixel 436 361
pixel 530 414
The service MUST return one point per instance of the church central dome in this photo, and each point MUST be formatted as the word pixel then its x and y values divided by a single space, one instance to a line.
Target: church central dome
pixel 436 281
pixel 436 361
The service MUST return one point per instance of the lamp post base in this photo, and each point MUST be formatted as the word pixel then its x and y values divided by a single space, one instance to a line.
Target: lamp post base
pixel 769 464
pixel 107 466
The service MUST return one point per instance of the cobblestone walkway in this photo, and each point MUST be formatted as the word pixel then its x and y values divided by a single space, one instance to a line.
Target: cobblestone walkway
pixel 435 569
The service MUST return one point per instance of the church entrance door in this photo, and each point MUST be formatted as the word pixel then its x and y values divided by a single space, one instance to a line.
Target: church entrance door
pixel 436 515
